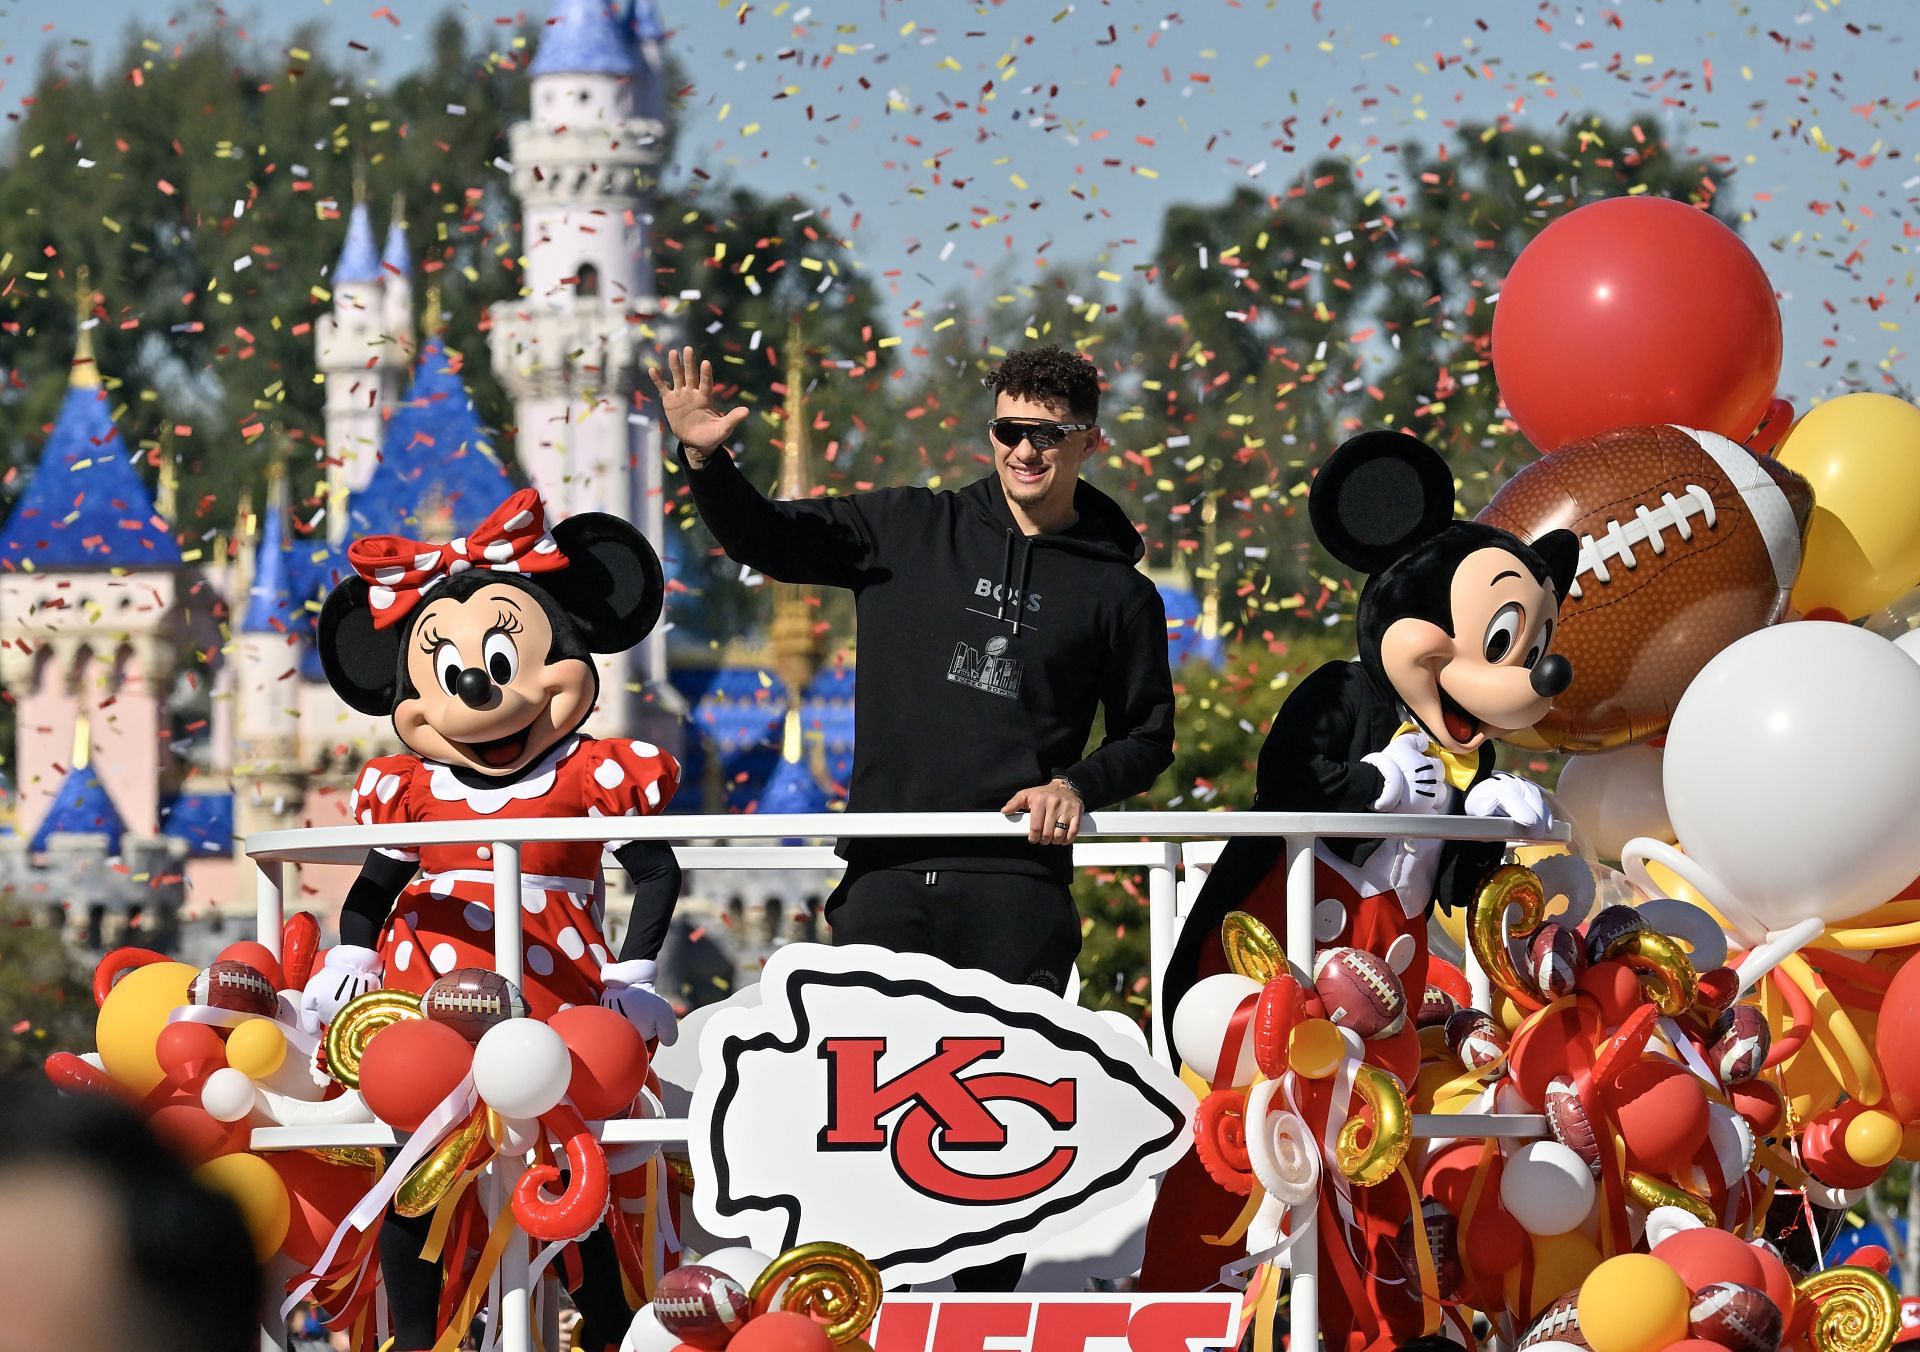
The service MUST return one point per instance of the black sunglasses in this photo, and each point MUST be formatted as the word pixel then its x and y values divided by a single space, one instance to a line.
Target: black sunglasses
pixel 1010 432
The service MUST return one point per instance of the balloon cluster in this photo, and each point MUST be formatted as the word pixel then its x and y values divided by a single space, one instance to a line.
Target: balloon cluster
pixel 258 1041
pixel 814 1298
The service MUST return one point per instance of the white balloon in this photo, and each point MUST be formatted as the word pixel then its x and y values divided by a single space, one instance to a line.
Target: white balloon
pixel 1664 1221
pixel 646 1334
pixel 521 1068
pixel 227 1094
pixel 1613 796
pixel 1909 643
pixel 1546 1187
pixel 1792 768
pixel 742 1264
pixel 1201 1021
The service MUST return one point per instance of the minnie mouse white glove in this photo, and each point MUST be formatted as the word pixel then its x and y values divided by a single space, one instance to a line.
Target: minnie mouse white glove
pixel 629 992
pixel 1509 796
pixel 346 971
pixel 1415 781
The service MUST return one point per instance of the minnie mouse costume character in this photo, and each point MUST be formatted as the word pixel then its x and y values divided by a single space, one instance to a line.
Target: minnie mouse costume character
pixel 481 651
pixel 1454 628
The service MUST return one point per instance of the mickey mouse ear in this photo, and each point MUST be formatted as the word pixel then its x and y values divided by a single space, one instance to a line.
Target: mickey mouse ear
pixel 1377 497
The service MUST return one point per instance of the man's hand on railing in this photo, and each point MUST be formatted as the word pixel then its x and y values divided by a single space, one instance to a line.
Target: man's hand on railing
pixel 346 971
pixel 1510 796
pixel 629 992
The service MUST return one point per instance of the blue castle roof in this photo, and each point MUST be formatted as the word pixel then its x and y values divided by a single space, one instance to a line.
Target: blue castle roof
pixel 435 458
pixel 82 806
pixel 586 37
pixel 396 258
pixel 273 604
pixel 359 259
pixel 1186 640
pixel 85 506
pixel 792 788
pixel 203 822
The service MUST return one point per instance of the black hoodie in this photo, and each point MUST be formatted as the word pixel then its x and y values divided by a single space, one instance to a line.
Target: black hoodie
pixel 983 651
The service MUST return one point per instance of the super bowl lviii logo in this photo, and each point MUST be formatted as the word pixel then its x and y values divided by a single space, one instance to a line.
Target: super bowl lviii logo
pixel 930 1117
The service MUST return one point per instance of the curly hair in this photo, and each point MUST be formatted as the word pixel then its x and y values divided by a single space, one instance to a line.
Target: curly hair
pixel 1050 374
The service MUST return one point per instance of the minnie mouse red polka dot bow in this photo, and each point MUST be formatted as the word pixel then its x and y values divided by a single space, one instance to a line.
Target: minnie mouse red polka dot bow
pixel 399 571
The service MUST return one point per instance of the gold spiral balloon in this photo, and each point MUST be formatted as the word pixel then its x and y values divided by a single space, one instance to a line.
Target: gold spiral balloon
pixel 1651 1192
pixel 433 1178
pixel 1251 948
pixel 1855 1309
pixel 356 1023
pixel 353 1156
pixel 827 1282
pixel 1392 1129
pixel 1666 972
pixel 1510 885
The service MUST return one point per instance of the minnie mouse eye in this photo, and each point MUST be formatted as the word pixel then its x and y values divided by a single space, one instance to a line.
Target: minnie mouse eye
pixel 501 657
pixel 446 667
pixel 1503 631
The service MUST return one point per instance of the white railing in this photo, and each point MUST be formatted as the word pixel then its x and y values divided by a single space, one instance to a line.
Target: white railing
pixel 1143 840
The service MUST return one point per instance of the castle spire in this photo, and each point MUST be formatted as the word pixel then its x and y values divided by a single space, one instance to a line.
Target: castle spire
pixel 86 372
pixel 796 646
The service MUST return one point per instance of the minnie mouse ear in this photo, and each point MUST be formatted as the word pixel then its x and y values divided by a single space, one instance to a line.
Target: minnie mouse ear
pixel 362 663
pixel 612 585
pixel 1377 497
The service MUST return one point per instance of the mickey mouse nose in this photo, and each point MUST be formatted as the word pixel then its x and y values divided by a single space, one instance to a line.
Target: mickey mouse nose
pixel 1551 675
pixel 475 688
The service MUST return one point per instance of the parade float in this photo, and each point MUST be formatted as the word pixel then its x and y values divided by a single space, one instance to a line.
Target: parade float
pixel 1658 1044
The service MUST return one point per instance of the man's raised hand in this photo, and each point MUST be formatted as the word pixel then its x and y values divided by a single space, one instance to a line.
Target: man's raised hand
pixel 688 406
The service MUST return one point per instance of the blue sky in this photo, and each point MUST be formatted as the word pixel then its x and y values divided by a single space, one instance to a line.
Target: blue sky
pixel 1100 115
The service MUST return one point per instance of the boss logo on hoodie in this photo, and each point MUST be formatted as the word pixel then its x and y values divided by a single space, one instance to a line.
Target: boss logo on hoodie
pixel 987 587
pixel 989 670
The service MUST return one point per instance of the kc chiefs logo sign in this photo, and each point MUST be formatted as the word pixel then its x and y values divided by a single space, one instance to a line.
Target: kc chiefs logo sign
pixel 930 1117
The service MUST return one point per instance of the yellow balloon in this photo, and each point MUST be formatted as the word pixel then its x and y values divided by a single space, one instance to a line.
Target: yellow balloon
pixel 1560 1264
pixel 1315 1048
pixel 257 1048
pixel 1873 1138
pixel 257 1190
pixel 132 1017
pixel 1861 454
pixel 1633 1303
pixel 1673 885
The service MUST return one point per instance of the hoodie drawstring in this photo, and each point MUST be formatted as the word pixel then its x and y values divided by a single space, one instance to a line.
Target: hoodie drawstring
pixel 1026 573
pixel 1009 591
pixel 1006 577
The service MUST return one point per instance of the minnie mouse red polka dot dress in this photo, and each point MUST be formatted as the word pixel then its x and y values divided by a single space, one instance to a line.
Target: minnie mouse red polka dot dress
pixel 444 917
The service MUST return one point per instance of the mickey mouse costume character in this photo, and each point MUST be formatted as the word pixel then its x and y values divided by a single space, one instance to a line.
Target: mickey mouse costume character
pixel 1454 627
pixel 481 651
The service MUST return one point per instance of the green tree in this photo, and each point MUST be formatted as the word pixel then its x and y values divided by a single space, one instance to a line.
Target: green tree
pixel 45 1006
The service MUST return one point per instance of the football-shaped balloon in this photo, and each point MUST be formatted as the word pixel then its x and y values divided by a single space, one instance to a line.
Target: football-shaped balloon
pixel 238 986
pixel 1558 1323
pixel 1687 542
pixel 1610 926
pixel 1443 1232
pixel 1571 1126
pixel 1556 956
pixel 471 1000
pixel 1738 1317
pixel 1740 1043
pixel 701 1306
pixel 1360 992
pixel 1475 1039
pixel 1436 1007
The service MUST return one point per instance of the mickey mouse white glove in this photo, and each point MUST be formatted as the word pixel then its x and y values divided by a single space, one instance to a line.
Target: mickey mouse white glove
pixel 346 971
pixel 1509 796
pixel 630 993
pixel 1415 781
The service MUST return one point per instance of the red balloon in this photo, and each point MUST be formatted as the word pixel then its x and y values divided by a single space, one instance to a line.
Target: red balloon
pixel 189 1052
pixel 1662 1114
pixel 1615 986
pixel 1635 311
pixel 780 1331
pixel 409 1067
pixel 257 956
pixel 194 1132
pixel 609 1059
pixel 320 1194
pixel 1760 1103
pixel 1898 1055
pixel 1705 1256
pixel 1823 1145
pixel 1777 1282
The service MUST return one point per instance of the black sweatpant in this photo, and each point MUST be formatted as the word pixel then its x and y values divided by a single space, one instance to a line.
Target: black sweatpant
pixel 1018 927
pixel 1014 926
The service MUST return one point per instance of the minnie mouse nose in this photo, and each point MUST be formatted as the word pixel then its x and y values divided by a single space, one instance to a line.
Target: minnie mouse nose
pixel 475 688
pixel 1551 675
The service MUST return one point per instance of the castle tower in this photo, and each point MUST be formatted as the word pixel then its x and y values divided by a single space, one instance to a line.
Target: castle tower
pixel 268 779
pixel 89 611
pixel 584 171
pixel 396 283
pixel 363 357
